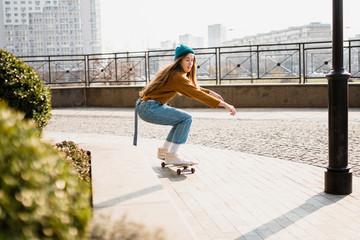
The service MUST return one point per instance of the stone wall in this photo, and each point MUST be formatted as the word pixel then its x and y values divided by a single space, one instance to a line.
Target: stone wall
pixel 242 96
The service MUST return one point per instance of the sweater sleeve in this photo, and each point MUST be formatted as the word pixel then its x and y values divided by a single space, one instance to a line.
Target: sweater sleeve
pixel 184 87
pixel 205 90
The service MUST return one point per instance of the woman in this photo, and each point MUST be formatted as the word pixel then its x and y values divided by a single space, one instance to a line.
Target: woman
pixel 178 77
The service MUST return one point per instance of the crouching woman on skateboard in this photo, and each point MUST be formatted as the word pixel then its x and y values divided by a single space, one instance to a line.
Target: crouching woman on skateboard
pixel 152 107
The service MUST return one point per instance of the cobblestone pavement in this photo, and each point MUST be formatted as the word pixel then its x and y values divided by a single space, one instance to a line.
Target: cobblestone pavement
pixel 302 141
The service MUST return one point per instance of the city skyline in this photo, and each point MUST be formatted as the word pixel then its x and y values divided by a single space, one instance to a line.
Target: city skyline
pixel 115 26
pixel 139 25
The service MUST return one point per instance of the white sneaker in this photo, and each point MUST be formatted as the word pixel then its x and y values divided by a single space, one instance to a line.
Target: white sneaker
pixel 173 158
pixel 161 153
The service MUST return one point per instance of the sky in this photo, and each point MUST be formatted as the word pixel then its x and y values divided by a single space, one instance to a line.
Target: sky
pixel 135 25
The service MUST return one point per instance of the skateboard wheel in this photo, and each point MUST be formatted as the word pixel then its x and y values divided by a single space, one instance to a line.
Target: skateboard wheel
pixel 178 171
pixel 192 170
pixel 163 164
pixel 185 167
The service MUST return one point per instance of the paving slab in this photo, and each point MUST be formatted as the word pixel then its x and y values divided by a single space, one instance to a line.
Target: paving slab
pixel 234 195
pixel 124 185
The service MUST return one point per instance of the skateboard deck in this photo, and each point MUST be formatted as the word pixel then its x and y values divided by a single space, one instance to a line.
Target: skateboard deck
pixel 181 167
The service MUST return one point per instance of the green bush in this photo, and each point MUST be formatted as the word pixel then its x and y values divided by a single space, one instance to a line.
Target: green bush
pixel 23 90
pixel 122 229
pixel 40 195
pixel 79 158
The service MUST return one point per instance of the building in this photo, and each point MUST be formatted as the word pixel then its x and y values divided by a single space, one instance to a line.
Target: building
pixel 216 35
pixel 356 37
pixel 56 27
pixel 312 32
pixel 167 44
pixel 186 39
pixel 191 41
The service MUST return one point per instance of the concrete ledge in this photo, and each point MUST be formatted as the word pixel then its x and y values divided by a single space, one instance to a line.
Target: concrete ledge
pixel 68 97
pixel 241 96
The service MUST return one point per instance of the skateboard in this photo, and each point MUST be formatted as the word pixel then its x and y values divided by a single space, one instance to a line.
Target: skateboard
pixel 185 167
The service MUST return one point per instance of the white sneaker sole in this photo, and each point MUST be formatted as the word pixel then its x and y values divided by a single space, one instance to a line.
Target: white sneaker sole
pixel 161 158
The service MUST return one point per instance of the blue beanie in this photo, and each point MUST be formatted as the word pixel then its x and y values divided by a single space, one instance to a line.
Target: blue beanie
pixel 181 50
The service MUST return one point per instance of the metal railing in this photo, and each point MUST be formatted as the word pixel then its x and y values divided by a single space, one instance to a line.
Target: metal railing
pixel 267 63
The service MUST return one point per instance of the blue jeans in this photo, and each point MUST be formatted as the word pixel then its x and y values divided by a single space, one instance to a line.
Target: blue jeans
pixel 158 113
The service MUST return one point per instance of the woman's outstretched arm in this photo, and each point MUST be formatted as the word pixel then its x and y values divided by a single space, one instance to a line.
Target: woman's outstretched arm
pixel 229 107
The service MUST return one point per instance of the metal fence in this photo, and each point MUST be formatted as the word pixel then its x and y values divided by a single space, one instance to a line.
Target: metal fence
pixel 269 63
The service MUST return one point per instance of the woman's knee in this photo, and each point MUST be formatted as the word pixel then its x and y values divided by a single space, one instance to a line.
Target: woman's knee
pixel 188 119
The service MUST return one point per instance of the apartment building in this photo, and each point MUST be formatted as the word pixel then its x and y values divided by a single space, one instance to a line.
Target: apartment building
pixel 190 40
pixel 55 27
pixel 308 33
pixel 216 35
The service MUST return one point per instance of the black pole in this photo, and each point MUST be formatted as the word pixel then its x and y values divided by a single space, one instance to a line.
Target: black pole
pixel 338 175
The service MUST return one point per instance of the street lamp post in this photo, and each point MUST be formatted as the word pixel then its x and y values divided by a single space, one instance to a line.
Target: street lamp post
pixel 338 175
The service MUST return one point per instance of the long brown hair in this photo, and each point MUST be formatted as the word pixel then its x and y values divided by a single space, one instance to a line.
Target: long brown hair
pixel 162 76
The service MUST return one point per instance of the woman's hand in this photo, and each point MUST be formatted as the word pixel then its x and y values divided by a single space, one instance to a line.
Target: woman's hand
pixel 229 107
pixel 214 94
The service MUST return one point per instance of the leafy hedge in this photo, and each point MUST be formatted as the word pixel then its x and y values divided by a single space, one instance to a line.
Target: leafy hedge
pixel 23 89
pixel 106 229
pixel 40 195
pixel 79 158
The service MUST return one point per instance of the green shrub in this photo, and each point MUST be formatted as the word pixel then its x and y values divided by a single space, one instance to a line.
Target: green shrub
pixel 23 89
pixel 79 158
pixel 40 195
pixel 104 229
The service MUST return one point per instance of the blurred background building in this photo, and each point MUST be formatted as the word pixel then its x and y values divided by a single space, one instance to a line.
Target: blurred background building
pixel 56 27
pixel 312 32
pixel 216 35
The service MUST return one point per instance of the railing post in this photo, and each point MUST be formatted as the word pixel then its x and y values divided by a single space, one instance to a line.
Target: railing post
pixel 258 61
pixel 116 72
pixel 218 66
pixel 350 70
pixel 49 70
pixel 338 175
pixel 251 65
pixel 304 66
pixel 299 62
pixel 85 71
pixel 147 68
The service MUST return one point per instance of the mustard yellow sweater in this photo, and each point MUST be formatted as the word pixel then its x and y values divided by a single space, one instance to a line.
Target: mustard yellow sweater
pixel 179 83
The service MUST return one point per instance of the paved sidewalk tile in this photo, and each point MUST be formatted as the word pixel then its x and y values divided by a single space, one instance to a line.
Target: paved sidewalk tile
pixel 234 195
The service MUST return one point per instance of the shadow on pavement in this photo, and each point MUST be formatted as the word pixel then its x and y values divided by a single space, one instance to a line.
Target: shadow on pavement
pixel 274 226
